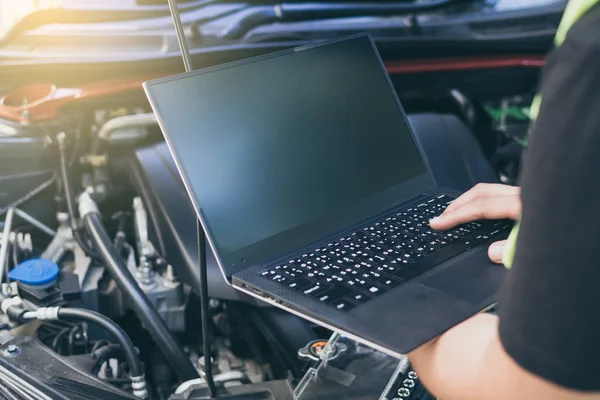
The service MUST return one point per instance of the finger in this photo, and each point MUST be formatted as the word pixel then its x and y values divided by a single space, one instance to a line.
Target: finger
pixel 481 208
pixel 482 190
pixel 495 251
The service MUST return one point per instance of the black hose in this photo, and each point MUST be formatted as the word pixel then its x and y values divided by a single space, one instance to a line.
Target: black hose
pixel 56 341
pixel 105 353
pixel 99 344
pixel 120 336
pixel 140 303
pixel 69 200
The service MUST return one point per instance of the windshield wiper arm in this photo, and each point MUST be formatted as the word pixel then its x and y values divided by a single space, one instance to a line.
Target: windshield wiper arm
pixel 315 11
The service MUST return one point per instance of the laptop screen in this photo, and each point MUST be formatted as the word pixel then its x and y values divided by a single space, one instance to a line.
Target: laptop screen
pixel 272 144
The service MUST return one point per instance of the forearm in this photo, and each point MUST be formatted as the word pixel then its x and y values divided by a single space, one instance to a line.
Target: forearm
pixel 453 366
pixel 469 362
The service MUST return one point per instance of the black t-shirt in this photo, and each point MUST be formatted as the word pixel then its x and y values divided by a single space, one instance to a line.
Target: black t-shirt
pixel 549 307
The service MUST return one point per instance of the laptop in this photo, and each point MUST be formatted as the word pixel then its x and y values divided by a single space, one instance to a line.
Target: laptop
pixel 315 196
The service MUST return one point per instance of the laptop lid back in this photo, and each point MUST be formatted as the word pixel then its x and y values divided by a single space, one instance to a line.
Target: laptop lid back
pixel 282 150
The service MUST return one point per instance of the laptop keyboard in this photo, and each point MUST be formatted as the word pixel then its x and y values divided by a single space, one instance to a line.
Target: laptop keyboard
pixel 369 262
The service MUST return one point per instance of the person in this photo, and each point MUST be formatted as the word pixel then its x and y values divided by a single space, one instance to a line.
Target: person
pixel 544 342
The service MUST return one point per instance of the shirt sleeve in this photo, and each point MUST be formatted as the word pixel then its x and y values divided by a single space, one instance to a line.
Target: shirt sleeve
pixel 549 307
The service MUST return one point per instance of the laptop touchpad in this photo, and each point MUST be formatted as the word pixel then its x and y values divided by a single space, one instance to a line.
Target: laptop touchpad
pixel 473 280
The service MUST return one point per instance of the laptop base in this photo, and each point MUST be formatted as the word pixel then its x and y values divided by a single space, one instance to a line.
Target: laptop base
pixel 404 317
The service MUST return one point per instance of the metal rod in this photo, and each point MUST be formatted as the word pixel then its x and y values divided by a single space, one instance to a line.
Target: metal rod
pixel 42 227
pixel 204 309
pixel 5 235
pixel 185 52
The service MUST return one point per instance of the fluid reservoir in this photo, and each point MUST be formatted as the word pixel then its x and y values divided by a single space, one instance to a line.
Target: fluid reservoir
pixel 41 282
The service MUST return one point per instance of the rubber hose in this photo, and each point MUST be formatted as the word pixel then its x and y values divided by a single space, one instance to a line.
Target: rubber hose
pixel 69 200
pixel 105 353
pixel 140 303
pixel 120 336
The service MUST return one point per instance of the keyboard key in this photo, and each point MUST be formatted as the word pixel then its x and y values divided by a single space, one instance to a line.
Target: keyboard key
pixel 374 289
pixel 298 284
pixel 474 240
pixel 315 290
pixel 279 278
pixel 425 250
pixel 451 237
pixel 461 232
pixel 388 282
pixel 352 270
pixel 342 305
pixel 335 294
pixel 358 298
pixel 410 271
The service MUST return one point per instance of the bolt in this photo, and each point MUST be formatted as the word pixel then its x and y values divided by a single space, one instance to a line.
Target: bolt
pixel 12 351
pixel 213 304
pixel 62 218
pixel 328 351
pixel 146 274
pixel 403 392
pixel 170 274
pixel 412 375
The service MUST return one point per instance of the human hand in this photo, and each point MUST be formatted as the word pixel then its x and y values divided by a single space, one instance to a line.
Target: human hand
pixel 484 201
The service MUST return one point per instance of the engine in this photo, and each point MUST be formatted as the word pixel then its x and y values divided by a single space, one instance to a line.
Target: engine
pixel 99 255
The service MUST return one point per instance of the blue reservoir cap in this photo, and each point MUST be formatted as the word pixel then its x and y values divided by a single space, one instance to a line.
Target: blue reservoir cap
pixel 36 271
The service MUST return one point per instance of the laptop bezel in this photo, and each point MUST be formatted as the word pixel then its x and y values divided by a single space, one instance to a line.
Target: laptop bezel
pixel 270 249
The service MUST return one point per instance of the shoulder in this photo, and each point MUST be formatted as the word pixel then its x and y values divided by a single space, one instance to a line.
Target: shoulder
pixel 580 51
pixel 586 31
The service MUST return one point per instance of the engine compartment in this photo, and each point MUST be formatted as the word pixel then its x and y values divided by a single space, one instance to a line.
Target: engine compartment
pixel 96 219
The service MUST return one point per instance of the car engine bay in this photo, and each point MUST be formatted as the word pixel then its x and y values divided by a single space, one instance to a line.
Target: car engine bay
pixel 98 248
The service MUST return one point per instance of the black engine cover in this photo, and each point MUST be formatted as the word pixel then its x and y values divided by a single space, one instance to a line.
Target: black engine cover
pixel 173 221
pixel 57 376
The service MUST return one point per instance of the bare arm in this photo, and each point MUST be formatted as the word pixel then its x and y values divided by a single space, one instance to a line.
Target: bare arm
pixel 545 343
pixel 469 363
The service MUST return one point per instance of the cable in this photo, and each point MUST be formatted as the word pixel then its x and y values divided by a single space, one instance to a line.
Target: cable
pixel 69 200
pixel 120 336
pixel 148 315
pixel 56 340
pixel 99 344
pixel 105 353
pixel 204 312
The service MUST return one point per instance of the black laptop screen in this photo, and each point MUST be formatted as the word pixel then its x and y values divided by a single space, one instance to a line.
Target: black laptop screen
pixel 270 145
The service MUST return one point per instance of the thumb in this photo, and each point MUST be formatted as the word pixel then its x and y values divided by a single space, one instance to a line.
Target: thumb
pixel 495 251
